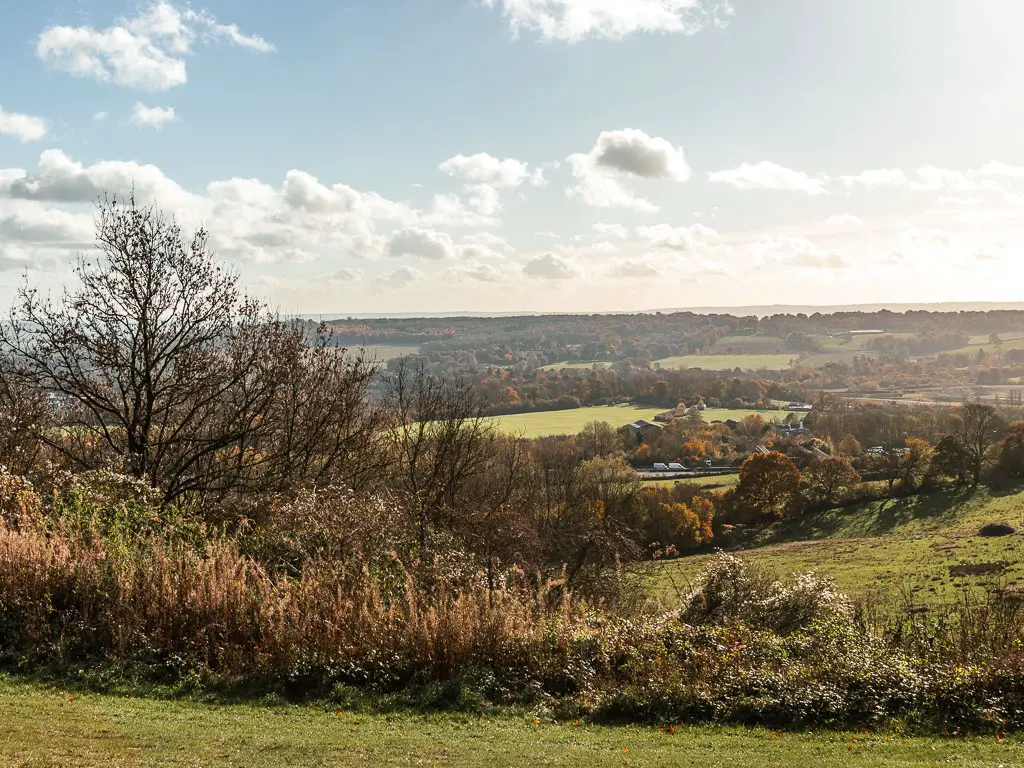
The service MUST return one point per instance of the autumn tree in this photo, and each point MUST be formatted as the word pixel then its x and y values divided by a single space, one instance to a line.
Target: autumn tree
pixel 769 485
pixel 979 427
pixel 830 478
pixel 951 458
pixel 1011 452
pixel 913 463
pixel 599 438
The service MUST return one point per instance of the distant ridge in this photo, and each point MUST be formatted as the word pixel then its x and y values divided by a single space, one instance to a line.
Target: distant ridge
pixel 744 311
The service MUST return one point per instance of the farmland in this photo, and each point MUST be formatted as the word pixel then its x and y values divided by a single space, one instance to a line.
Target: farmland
pixel 711 482
pixel 571 422
pixel 896 552
pixel 42 726
pixel 754 362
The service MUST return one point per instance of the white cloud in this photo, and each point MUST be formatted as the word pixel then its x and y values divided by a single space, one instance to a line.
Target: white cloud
pixel 923 236
pixel 769 175
pixel 483 199
pixel 485 169
pixel 793 251
pixel 633 153
pixel 998 169
pixel 883 177
pixel 347 275
pixel 152 117
pixel 667 237
pixel 145 52
pixel 60 179
pixel 844 222
pixel 400 278
pixel 99 117
pixel 550 267
pixel 575 20
pixel 22 127
pixel 616 231
pixel 424 243
pixel 635 269
pixel 932 179
pixel 629 153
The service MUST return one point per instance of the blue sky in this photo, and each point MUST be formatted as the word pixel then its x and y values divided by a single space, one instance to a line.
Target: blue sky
pixel 389 155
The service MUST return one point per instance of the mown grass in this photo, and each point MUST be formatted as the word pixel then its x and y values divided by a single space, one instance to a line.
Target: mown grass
pixel 49 727
pixel 896 552
pixel 571 422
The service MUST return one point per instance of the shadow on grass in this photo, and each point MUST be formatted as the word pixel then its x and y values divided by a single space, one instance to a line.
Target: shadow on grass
pixel 874 518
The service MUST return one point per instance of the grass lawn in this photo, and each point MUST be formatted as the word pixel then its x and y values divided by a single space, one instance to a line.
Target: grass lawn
pixel 48 727
pixel 571 422
pixel 899 552
pixel 729 362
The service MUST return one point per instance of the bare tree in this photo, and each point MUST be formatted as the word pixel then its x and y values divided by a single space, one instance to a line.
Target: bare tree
pixel 169 372
pixel 979 427
pixel 442 440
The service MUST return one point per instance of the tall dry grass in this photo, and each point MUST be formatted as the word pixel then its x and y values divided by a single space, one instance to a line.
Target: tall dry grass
pixel 219 610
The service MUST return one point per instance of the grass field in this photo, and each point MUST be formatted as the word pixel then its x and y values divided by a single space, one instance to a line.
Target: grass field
pixel 571 422
pixel 729 362
pixel 384 353
pixel 896 552
pixel 710 482
pixel 46 727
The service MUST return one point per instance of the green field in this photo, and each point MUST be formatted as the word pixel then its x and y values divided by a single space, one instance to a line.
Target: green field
pixel 711 482
pixel 385 353
pixel 821 359
pixel 571 422
pixel 729 362
pixel 48 728
pixel 896 553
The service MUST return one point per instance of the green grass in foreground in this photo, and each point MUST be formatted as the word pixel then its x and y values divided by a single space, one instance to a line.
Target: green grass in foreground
pixel 48 727
pixel 571 422
pixel 894 552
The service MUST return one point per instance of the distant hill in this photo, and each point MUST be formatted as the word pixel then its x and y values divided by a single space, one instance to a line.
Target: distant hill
pixel 748 311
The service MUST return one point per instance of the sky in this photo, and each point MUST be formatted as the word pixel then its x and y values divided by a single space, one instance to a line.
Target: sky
pixel 386 156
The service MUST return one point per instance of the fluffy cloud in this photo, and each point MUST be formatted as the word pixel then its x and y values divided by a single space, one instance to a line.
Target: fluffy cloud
pixel 797 252
pixel 485 169
pixel 926 237
pixel 844 222
pixel 575 20
pixel 424 243
pixel 60 179
pixel 152 117
pixel 54 228
pixel 883 177
pixel 630 153
pixel 616 231
pixel 634 153
pixel 998 169
pixel 400 278
pixel 146 52
pixel 635 269
pixel 769 175
pixel 21 127
pixel 550 267
pixel 667 237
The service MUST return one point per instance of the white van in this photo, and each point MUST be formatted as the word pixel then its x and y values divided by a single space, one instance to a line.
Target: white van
pixel 674 466
pixel 660 467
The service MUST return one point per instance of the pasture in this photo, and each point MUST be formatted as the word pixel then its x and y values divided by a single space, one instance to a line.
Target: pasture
pixel 571 422
pixel 50 727
pixel 747 362
pixel 710 482
pixel 916 551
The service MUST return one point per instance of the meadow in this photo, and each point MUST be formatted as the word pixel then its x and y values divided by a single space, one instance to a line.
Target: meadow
pixel 710 482
pixel 917 551
pixel 747 362
pixel 43 726
pixel 571 422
